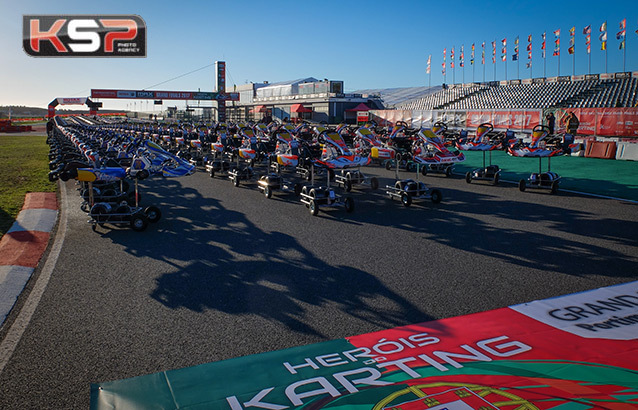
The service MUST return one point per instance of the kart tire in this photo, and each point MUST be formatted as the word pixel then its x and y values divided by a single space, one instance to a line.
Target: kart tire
pixel 313 207
pixel 468 177
pixel 267 191
pixel 436 196
pixel 521 185
pixel 153 213
pixel 374 183
pixel 497 178
pixel 139 222
pixel 424 170
pixel 388 164
pixel 298 189
pixel 448 171
pixel 554 188
pixel 348 203
pixel 406 199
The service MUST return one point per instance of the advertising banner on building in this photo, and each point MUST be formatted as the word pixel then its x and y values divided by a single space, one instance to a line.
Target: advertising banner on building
pixel 572 352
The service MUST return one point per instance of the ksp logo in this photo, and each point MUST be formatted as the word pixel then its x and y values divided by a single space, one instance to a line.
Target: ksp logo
pixel 84 36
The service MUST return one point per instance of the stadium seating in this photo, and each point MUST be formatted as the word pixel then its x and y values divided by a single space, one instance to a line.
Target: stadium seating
pixel 585 94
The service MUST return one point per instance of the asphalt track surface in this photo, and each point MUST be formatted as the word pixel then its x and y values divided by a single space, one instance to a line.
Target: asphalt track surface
pixel 227 272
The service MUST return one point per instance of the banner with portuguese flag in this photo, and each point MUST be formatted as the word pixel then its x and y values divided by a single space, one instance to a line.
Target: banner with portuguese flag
pixel 575 352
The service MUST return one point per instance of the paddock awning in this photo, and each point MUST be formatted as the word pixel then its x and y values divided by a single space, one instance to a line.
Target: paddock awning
pixel 299 108
pixel 360 107
pixel 259 108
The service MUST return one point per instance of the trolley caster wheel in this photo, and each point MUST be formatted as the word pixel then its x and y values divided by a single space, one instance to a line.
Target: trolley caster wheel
pixel 139 222
pixel 436 196
pixel 268 192
pixel 313 207
pixel 522 185
pixel 349 205
pixel 153 214
pixel 468 177
pixel 497 178
pixel 406 200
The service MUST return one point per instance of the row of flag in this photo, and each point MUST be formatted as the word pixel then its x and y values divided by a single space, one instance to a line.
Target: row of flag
pixel 587 31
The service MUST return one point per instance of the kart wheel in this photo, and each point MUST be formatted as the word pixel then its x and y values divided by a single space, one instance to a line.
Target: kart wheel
pixel 298 189
pixel 554 187
pixel 153 213
pixel 347 185
pixel 388 165
pixel 424 170
pixel 406 199
pixel 521 185
pixel 139 222
pixel 468 177
pixel 497 178
pixel 436 196
pixel 212 173
pixel 313 207
pixel 267 192
pixel 374 183
pixel 448 171
pixel 349 204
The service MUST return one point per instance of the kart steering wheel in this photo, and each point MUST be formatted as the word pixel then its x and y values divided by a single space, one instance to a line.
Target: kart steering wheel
pixel 402 124
pixel 441 125
pixel 487 125
pixel 541 127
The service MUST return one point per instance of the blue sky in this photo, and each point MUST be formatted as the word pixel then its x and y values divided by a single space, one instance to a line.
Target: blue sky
pixel 367 44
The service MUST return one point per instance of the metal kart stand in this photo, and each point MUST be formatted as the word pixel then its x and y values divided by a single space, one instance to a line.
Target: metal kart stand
pixel 408 190
pixel 219 164
pixel 541 180
pixel 240 173
pixel 348 178
pixel 122 214
pixel 319 197
pixel 274 181
pixel 487 173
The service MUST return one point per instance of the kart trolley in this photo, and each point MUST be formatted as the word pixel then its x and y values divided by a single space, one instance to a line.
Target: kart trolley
pixel 316 197
pixel 408 190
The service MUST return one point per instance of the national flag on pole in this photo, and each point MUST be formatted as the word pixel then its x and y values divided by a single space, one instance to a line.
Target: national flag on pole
pixel 529 51
pixel 515 55
pixel 557 43
pixel 452 58
pixel 603 36
pixel 493 52
pixel 462 57
pixel 543 45
pixel 483 53
pixel 472 55
pixel 443 70
pixel 587 33
pixel 621 34
pixel 504 49
pixel 429 66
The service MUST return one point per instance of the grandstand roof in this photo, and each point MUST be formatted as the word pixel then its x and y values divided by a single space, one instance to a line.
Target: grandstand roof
pixel 393 96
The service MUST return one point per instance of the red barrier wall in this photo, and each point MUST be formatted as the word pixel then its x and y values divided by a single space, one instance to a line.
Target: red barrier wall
pixel 609 122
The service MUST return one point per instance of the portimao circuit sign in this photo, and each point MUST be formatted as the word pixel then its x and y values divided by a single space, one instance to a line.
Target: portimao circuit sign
pixel 575 351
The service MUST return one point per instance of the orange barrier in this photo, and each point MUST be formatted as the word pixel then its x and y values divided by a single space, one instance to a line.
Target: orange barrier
pixel 601 149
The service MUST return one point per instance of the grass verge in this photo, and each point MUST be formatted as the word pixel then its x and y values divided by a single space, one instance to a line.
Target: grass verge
pixel 23 168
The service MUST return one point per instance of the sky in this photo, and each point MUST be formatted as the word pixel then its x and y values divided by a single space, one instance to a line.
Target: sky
pixel 367 44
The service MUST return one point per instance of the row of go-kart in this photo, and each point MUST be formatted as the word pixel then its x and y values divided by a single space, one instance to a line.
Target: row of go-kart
pixel 103 161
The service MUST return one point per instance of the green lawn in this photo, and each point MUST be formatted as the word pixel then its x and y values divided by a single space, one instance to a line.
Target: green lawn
pixel 23 168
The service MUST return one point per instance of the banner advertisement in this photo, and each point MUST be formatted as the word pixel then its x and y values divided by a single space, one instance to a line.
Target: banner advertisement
pixel 520 120
pixel 164 95
pixel 571 352
pixel 609 122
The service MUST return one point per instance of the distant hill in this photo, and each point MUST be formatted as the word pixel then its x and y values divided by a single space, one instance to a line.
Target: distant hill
pixel 30 112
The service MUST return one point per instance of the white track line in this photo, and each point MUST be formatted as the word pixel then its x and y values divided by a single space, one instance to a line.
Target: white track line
pixel 13 336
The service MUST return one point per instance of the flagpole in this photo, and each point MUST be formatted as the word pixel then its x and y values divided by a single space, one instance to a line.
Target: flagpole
pixel 574 62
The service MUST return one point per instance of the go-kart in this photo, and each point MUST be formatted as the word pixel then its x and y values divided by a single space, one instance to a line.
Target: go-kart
pixel 432 155
pixel 481 143
pixel 221 152
pixel 408 190
pixel 337 156
pixel 316 197
pixel 538 180
pixel 367 144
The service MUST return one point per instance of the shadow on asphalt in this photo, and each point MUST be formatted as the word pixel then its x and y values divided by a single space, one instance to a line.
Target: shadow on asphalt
pixel 458 221
pixel 224 262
